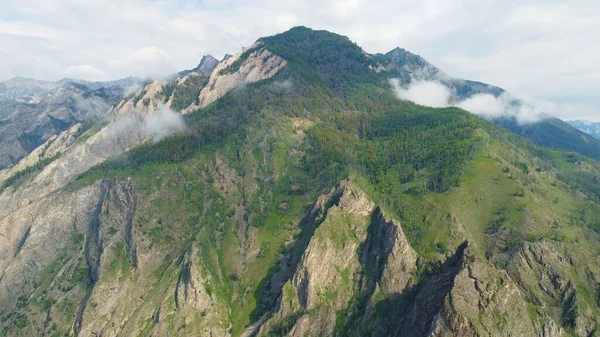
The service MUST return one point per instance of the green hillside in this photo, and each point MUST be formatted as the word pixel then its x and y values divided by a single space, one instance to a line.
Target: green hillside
pixel 231 212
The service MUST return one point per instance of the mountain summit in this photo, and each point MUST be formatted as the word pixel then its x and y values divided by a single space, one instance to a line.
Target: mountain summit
pixel 289 192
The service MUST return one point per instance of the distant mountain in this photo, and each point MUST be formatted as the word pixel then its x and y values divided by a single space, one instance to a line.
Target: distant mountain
pixel 44 109
pixel 26 90
pixel 124 83
pixel 410 67
pixel 29 90
pixel 591 128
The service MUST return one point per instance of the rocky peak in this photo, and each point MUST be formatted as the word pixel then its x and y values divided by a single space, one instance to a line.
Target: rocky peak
pixel 207 65
pixel 354 250
pixel 226 57
pixel 253 65
pixel 353 200
pixel 414 65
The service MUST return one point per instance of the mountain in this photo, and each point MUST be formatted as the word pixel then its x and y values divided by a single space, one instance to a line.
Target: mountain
pixel 410 67
pixel 592 129
pixel 32 111
pixel 29 90
pixel 295 195
pixel 551 132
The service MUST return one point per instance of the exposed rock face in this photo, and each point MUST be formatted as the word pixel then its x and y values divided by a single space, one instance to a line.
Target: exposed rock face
pixel 117 136
pixel 354 249
pixel 259 65
pixel 147 99
pixel 84 251
pixel 542 269
pixel 207 65
pixel 226 243
pixel 358 276
pixel 483 302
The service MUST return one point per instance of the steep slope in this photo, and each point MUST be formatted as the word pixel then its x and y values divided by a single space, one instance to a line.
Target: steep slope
pixel 311 202
pixel 206 66
pixel 33 111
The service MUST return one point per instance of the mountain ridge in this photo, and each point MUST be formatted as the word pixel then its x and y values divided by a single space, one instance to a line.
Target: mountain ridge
pixel 301 198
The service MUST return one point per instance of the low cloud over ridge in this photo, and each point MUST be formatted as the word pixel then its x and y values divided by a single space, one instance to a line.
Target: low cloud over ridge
pixel 435 94
pixel 429 93
pixel 155 126
pixel 163 123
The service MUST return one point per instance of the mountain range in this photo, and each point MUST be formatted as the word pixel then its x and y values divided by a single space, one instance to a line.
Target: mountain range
pixel 593 129
pixel 288 191
pixel 32 111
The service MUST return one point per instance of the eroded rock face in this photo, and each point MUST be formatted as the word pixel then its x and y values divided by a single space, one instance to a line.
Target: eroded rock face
pixel 30 124
pixel 542 269
pixel 146 100
pixel 34 235
pixel 85 252
pixel 355 249
pixel 358 276
pixel 483 302
pixel 123 129
pixel 261 64
pixel 207 65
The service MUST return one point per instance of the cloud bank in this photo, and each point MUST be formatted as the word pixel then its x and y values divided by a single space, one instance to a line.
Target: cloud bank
pixel 429 93
pixel 155 126
pixel 163 123
pixel 437 95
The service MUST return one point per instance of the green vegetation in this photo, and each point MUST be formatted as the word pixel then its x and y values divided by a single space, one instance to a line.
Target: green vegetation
pixel 225 199
pixel 187 93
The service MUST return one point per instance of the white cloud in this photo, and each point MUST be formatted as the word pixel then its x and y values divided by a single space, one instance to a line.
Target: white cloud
pixel 546 50
pixel 484 105
pixel 429 93
pixel 155 126
pixel 437 95
pixel 489 106
pixel 285 85
pixel 162 123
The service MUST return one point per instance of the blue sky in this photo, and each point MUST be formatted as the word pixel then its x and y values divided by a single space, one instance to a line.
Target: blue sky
pixel 543 51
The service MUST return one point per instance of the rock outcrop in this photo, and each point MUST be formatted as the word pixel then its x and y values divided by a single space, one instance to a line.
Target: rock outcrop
pixel 354 252
pixel 359 276
pixel 252 65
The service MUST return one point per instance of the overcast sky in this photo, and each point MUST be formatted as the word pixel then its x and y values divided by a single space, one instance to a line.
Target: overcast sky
pixel 544 51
